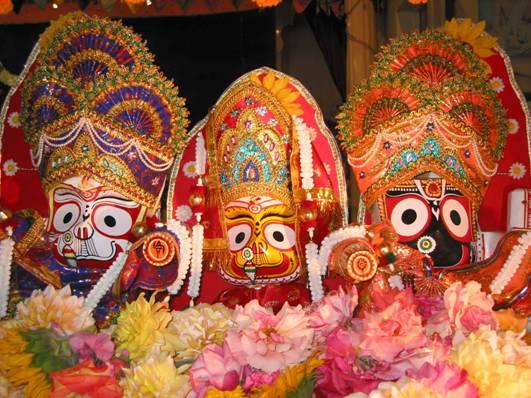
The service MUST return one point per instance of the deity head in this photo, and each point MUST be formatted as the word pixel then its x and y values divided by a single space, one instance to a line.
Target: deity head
pixel 423 136
pixel 272 172
pixel 103 125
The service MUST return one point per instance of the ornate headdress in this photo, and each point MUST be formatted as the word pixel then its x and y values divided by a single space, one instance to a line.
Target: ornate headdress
pixel 426 107
pixel 97 105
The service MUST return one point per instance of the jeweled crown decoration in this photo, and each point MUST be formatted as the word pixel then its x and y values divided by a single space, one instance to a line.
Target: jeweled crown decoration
pixel 250 136
pixel 97 105
pixel 426 107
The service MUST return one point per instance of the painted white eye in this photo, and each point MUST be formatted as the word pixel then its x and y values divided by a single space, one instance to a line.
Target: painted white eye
pixel 112 221
pixel 239 236
pixel 410 217
pixel 280 236
pixel 455 217
pixel 66 216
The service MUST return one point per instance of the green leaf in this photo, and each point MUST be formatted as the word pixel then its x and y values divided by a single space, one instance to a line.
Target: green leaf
pixel 50 351
pixel 304 389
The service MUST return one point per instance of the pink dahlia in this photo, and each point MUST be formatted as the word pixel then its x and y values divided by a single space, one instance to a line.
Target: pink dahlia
pixel 253 378
pixel 447 379
pixel 335 310
pixel 386 333
pixel 92 346
pixel 269 341
pixel 215 367
pixel 468 307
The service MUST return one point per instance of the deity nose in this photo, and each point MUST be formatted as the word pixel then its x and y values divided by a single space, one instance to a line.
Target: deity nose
pixel 258 248
pixel 84 231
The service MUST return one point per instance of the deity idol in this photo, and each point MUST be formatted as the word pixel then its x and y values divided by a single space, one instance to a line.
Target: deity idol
pixel 424 135
pixel 103 126
pixel 262 177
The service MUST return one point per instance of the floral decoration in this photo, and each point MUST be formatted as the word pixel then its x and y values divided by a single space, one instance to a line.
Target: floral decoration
pixel 406 346
pixel 10 167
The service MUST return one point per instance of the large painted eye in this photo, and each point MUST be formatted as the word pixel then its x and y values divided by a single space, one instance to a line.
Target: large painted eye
pixel 410 217
pixel 66 216
pixel 455 218
pixel 112 221
pixel 280 236
pixel 239 235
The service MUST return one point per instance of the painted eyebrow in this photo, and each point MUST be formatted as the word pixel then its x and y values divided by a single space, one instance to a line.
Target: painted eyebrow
pixel 238 216
pixel 114 197
pixel 274 214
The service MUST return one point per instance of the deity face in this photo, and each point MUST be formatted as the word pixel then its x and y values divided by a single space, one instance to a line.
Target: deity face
pixel 432 217
pixel 90 223
pixel 262 241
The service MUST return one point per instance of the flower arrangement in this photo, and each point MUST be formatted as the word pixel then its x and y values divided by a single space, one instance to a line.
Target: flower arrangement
pixel 408 346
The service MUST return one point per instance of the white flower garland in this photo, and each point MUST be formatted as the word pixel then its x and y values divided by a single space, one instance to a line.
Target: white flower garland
pixel 306 156
pixel 200 155
pixel 314 271
pixel 332 239
pixel 107 280
pixel 511 264
pixel 7 247
pixel 185 252
pixel 197 259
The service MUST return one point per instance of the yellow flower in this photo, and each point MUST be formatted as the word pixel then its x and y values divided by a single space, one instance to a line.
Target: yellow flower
pixel 8 390
pixel 280 89
pixel 15 363
pixel 238 392
pixel 290 379
pixel 509 320
pixel 194 328
pixel 67 313
pixel 495 363
pixel 6 6
pixel 155 377
pixel 140 326
pixel 473 34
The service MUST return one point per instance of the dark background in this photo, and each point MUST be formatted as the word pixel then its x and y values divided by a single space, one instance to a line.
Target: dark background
pixel 202 54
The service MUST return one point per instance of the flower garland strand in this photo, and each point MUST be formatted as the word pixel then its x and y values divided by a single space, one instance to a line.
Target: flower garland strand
pixel 511 264
pixel 185 246
pixel 200 155
pixel 314 271
pixel 107 280
pixel 6 257
pixel 306 156
pixel 197 259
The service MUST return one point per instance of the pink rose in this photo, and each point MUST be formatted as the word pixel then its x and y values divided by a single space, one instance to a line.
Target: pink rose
pixel 269 341
pixel 339 375
pixel 447 379
pixel 215 367
pixel 427 306
pixel 383 298
pixel 386 333
pixel 253 378
pixel 468 307
pixel 335 310
pixel 92 346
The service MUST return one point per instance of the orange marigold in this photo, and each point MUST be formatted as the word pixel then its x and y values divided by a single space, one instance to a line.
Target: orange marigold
pixel 267 3
pixel 6 6
pixel 418 1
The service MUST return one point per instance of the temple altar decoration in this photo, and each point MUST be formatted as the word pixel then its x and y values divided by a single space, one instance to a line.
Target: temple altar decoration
pixel 424 136
pixel 408 344
pixel 103 125
pixel 260 183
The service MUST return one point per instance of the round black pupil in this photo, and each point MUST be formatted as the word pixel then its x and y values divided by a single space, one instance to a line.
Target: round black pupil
pixel 455 217
pixel 278 236
pixel 109 221
pixel 409 216
pixel 67 218
pixel 240 237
